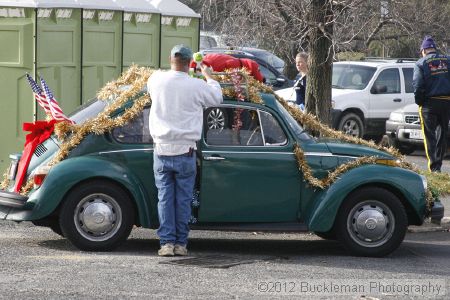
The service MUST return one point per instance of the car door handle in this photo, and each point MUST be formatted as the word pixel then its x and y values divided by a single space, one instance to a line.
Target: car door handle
pixel 397 100
pixel 213 158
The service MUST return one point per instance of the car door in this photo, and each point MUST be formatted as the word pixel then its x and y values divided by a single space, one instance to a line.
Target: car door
pixel 385 94
pixel 136 153
pixel 248 170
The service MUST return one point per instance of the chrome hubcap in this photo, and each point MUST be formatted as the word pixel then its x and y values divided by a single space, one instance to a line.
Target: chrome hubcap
pixel 216 119
pixel 98 217
pixel 351 128
pixel 371 223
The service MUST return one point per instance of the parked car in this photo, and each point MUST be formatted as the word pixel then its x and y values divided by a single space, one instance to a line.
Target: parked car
pixel 364 93
pixel 273 77
pixel 247 180
pixel 261 54
pixel 403 129
pixel 210 39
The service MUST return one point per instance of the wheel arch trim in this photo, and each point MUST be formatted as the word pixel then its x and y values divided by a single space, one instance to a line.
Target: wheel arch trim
pixel 47 199
pixel 323 214
pixel 356 111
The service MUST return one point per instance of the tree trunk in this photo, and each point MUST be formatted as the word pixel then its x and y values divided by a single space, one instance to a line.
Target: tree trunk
pixel 318 83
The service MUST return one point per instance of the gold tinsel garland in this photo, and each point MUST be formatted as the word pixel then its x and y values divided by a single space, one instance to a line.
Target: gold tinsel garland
pixel 313 124
pixel 72 135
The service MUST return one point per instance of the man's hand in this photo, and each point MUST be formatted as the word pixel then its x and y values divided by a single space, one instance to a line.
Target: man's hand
pixel 206 71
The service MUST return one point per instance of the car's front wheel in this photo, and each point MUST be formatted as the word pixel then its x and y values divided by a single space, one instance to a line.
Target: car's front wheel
pixel 351 124
pixel 371 222
pixel 404 148
pixel 97 216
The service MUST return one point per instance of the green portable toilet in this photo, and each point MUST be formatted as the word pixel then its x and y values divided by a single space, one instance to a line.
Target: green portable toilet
pixel 179 25
pixel 141 29
pixel 58 52
pixel 101 43
pixel 48 54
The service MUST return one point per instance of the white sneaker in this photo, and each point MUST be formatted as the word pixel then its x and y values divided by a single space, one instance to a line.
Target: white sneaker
pixel 166 250
pixel 180 250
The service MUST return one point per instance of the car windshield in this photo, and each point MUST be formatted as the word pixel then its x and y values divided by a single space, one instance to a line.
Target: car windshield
pixel 298 130
pixel 93 107
pixel 353 77
pixel 270 58
pixel 88 110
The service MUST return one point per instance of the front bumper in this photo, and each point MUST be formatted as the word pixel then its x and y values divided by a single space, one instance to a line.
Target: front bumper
pixel 437 212
pixel 405 133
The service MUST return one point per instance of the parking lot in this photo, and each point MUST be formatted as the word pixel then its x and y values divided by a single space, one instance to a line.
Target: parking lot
pixel 38 264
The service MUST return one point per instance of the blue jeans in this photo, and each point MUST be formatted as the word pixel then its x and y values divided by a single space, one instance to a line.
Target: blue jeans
pixel 175 179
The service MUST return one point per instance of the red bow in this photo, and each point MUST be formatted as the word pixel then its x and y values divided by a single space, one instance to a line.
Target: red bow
pixel 40 131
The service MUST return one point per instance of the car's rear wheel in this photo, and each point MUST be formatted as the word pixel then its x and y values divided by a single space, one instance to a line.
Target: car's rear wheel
pixel 351 124
pixel 97 216
pixel 371 222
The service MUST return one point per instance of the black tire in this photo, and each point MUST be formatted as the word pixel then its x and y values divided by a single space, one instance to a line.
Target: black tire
pixel 351 124
pixel 406 149
pixel 216 118
pixel 389 141
pixel 56 228
pixel 371 222
pixel 97 216
pixel 329 235
pixel 52 223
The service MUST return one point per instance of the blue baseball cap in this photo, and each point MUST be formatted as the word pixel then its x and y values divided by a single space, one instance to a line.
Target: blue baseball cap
pixel 428 42
pixel 183 51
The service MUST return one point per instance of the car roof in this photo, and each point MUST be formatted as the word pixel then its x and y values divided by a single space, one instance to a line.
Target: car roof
pixel 268 100
pixel 225 50
pixel 378 63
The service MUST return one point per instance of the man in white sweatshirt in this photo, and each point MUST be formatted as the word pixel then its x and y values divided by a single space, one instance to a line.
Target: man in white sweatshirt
pixel 176 119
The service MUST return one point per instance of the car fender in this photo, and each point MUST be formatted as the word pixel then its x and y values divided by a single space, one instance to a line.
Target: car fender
pixel 323 213
pixel 351 100
pixel 70 172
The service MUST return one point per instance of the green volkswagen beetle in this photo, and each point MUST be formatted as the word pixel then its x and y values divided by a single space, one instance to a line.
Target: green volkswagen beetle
pixel 248 179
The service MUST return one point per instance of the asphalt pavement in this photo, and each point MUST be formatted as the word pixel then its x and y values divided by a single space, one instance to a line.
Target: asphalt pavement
pixel 419 158
pixel 36 263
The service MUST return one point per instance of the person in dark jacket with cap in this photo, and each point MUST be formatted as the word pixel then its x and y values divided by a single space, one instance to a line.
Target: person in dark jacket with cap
pixel 431 81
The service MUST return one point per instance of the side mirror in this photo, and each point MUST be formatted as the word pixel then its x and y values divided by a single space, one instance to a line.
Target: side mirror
pixel 378 89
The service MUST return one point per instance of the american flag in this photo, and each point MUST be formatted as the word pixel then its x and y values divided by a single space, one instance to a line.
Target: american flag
pixel 39 94
pixel 55 110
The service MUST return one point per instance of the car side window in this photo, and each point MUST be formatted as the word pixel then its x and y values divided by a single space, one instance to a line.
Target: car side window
pixel 388 82
pixel 270 77
pixel 272 131
pixel 232 126
pixel 136 131
pixel 408 76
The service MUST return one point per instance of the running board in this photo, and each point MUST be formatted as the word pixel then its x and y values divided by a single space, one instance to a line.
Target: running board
pixel 267 227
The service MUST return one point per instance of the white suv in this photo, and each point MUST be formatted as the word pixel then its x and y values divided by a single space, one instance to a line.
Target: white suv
pixel 365 93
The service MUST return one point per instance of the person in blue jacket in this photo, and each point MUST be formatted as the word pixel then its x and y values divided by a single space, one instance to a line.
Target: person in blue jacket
pixel 301 62
pixel 431 81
